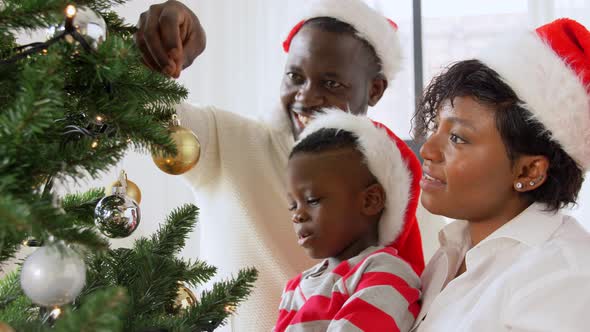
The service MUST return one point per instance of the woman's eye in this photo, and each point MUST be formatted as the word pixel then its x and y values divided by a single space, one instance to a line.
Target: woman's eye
pixel 457 139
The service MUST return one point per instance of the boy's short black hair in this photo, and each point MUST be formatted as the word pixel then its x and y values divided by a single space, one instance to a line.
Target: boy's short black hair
pixel 521 134
pixel 326 139
pixel 331 24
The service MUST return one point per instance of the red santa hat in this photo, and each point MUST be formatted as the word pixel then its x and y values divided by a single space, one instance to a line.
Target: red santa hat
pixel 396 168
pixel 376 29
pixel 549 69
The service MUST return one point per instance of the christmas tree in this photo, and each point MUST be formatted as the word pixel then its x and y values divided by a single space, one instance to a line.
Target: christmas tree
pixel 70 107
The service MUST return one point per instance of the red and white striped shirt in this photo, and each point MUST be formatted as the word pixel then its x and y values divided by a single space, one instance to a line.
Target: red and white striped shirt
pixel 373 291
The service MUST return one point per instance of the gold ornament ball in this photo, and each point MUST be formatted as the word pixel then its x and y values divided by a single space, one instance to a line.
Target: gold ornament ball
pixel 38 181
pixel 184 299
pixel 132 192
pixel 189 151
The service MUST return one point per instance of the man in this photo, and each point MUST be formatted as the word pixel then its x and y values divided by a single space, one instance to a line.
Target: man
pixel 342 54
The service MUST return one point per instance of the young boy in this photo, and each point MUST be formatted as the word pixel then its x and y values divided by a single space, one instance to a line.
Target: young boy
pixel 508 145
pixel 349 188
pixel 342 55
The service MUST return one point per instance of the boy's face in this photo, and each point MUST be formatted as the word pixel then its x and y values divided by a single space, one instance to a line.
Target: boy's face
pixel 467 172
pixel 327 69
pixel 327 196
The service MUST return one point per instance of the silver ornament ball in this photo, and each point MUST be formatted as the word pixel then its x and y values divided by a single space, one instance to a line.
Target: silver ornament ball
pixel 53 275
pixel 89 24
pixel 117 215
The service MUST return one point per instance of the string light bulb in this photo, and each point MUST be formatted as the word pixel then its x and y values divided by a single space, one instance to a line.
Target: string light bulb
pixel 71 11
pixel 55 313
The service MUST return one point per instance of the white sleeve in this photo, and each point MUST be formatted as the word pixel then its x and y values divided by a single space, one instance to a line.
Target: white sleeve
pixel 222 135
pixel 555 302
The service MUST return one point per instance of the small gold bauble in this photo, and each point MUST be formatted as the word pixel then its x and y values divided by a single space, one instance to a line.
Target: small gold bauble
pixel 5 327
pixel 184 299
pixel 132 192
pixel 38 181
pixel 188 148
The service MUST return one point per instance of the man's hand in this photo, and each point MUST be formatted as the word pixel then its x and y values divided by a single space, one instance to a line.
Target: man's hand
pixel 169 37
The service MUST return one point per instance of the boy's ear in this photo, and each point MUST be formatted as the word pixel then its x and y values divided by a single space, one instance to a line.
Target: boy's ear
pixel 376 89
pixel 374 200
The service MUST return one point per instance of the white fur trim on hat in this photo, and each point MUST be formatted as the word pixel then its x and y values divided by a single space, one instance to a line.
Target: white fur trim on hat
pixel 370 25
pixel 384 160
pixel 550 89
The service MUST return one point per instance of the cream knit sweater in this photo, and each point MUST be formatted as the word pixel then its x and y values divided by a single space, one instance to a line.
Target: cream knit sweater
pixel 239 185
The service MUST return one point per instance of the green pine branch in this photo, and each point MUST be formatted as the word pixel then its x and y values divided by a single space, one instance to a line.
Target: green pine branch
pixel 104 311
pixel 217 304
pixel 31 14
pixel 116 25
pixel 14 215
pixel 171 236
pixel 81 206
pixel 66 114
pixel 100 5
pixel 15 307
pixel 195 273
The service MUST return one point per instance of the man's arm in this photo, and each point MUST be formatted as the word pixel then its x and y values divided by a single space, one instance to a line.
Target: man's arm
pixel 229 142
pixel 170 37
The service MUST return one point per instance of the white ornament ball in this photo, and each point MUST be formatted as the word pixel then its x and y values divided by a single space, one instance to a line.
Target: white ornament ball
pixel 53 275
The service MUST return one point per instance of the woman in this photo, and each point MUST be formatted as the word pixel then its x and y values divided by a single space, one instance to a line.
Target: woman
pixel 508 142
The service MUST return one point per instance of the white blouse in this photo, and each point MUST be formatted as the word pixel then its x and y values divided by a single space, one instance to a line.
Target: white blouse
pixel 532 274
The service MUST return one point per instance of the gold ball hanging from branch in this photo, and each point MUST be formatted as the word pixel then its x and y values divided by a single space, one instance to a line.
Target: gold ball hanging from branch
pixel 185 299
pixel 132 192
pixel 188 151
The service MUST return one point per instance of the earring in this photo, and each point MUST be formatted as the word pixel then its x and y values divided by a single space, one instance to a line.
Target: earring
pixel 518 185
pixel 532 183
